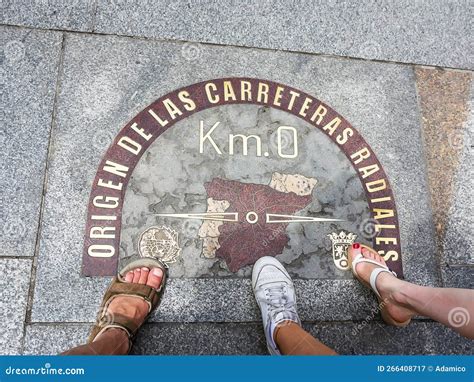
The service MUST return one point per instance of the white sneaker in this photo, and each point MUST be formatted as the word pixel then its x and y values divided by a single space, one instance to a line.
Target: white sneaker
pixel 275 295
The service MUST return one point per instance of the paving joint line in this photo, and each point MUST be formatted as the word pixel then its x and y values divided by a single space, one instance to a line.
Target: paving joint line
pixel 94 14
pixel 222 323
pixel 169 40
pixel 31 289
pixel 424 149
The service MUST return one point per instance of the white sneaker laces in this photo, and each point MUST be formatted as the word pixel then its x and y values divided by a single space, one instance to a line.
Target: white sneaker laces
pixel 278 301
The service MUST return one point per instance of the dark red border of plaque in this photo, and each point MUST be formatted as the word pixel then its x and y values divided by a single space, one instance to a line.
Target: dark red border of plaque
pixel 107 266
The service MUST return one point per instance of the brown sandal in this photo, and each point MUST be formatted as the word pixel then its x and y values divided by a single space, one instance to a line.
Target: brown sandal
pixel 119 287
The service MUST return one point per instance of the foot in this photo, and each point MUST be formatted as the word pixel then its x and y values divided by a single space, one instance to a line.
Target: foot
pixel 135 308
pixel 275 295
pixel 387 284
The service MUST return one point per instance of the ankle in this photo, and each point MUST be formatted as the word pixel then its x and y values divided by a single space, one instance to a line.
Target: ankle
pixel 400 293
pixel 281 325
pixel 114 341
pixel 120 337
pixel 391 288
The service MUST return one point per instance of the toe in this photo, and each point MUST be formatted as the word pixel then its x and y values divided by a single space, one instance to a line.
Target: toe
pixel 143 275
pixel 129 277
pixel 136 275
pixel 364 269
pixel 352 252
pixel 371 254
pixel 367 254
pixel 155 277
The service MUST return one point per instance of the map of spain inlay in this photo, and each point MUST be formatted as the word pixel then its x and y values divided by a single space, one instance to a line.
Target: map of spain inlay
pixel 251 237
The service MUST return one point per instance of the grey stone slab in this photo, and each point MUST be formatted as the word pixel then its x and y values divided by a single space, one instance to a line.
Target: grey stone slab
pixel 28 70
pixel 166 338
pixel 455 276
pixel 54 338
pixel 422 32
pixel 13 299
pixel 201 339
pixel 201 300
pixel 108 80
pixel 75 15
pixel 458 243
pixel 248 338
pixel 378 338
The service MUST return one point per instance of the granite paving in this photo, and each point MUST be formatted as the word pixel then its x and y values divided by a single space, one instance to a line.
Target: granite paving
pixel 28 72
pixel 423 337
pixel 420 32
pixel 73 73
pixel 459 241
pixel 107 80
pixel 444 97
pixel 458 276
pixel 75 15
pixel 14 287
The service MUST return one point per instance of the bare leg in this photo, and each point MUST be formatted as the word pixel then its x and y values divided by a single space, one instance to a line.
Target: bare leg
pixel 294 340
pixel 452 307
pixel 115 341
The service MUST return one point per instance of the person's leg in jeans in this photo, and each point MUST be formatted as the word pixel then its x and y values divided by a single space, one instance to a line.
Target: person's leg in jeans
pixel 115 341
pixel 453 307
pixel 275 295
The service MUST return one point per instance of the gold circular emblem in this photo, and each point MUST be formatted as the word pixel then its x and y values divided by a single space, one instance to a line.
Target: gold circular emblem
pixel 160 243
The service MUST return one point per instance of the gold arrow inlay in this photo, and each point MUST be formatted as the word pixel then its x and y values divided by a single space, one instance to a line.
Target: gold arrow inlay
pixel 216 216
pixel 277 218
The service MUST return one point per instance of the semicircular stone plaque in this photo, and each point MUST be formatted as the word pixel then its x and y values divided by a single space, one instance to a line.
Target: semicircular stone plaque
pixel 211 178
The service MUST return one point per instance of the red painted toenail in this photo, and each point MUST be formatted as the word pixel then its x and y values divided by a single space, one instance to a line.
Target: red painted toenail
pixel 356 245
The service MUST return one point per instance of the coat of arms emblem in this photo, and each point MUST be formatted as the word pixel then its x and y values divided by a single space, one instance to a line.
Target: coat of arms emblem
pixel 340 245
pixel 160 243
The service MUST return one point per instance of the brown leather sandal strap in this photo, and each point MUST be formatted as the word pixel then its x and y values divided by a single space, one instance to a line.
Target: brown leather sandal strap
pixel 140 290
pixel 124 322
pixel 98 330
pixel 114 321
